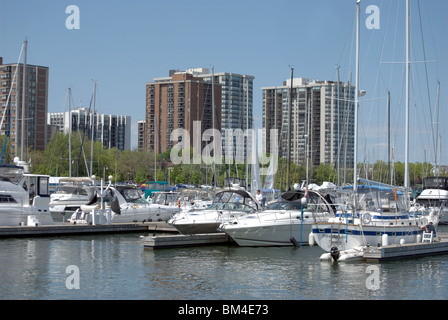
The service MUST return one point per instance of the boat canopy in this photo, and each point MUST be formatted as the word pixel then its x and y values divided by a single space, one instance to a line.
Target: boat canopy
pixel 236 196
pixel 362 188
pixel 435 183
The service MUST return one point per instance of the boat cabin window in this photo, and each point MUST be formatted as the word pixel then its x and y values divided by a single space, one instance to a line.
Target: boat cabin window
pixel 6 198
pixel 435 183
pixel 285 206
pixel 43 186
pixel 35 185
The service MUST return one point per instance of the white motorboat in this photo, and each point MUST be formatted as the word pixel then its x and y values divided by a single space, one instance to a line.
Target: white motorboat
pixel 24 198
pixel 125 204
pixel 285 223
pixel 433 200
pixel 195 199
pixel 70 195
pixel 165 204
pixel 227 205
pixel 380 218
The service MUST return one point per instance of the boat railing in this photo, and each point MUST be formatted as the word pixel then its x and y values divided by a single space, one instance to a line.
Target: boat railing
pixel 316 212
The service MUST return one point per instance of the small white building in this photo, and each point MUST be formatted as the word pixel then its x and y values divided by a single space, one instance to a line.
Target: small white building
pixel 111 130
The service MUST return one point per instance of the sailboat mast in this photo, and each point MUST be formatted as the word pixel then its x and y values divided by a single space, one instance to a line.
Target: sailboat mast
pixel 93 129
pixel 22 126
pixel 69 132
pixel 406 174
pixel 355 165
pixel 437 131
pixel 155 149
pixel 308 141
pixel 213 120
pixel 338 128
pixel 388 136
pixel 247 130
pixel 289 130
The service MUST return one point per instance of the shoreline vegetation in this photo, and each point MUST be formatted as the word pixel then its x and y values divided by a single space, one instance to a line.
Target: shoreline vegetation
pixel 138 166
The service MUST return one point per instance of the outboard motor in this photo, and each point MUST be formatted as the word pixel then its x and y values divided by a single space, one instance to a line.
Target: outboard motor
pixel 334 252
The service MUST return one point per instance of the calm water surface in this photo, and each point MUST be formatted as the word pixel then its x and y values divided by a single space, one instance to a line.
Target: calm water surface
pixel 117 267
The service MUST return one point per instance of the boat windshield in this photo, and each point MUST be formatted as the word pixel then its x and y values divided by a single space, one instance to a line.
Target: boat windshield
pixel 382 201
pixel 11 173
pixel 194 195
pixel 234 197
pixel 232 206
pixel 165 198
pixel 133 195
pixel 285 206
pixel 71 189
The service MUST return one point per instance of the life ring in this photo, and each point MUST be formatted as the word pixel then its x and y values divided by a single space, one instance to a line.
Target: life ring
pixel 366 218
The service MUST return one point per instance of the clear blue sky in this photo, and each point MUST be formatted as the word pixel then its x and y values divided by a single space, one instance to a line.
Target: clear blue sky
pixel 125 44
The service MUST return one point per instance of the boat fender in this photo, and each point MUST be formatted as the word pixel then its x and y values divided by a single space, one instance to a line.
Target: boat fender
pixel 384 240
pixel 311 239
pixel 366 218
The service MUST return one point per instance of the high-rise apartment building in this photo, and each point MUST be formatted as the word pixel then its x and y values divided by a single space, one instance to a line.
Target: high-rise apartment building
pixel 325 109
pixel 114 131
pixel 236 99
pixel 236 110
pixel 34 113
pixel 175 102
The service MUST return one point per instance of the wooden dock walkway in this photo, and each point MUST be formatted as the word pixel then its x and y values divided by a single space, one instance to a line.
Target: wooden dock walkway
pixel 407 250
pixel 181 240
pixel 79 229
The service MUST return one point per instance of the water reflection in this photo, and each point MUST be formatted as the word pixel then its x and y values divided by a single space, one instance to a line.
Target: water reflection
pixel 117 267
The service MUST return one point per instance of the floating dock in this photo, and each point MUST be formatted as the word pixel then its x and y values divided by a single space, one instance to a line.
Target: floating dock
pixel 181 240
pixel 82 229
pixel 407 250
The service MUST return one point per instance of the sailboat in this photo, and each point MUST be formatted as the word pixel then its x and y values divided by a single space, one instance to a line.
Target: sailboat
pixel 24 197
pixel 373 214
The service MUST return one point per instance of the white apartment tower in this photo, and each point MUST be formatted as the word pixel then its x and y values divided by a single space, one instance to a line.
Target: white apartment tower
pixel 322 110
pixel 236 107
pixel 111 130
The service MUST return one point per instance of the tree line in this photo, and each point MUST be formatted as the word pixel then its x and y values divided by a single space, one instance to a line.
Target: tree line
pixel 141 166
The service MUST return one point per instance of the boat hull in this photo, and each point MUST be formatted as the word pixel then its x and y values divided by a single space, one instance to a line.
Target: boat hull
pixel 17 216
pixel 279 234
pixel 345 237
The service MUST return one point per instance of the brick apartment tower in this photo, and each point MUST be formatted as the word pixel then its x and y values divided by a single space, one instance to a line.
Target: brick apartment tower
pixel 314 105
pixel 36 105
pixel 176 102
